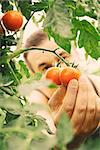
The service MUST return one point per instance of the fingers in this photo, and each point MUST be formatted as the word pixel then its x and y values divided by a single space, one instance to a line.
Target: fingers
pixel 96 83
pixel 56 99
pixel 90 121
pixel 70 97
pixel 98 110
pixel 69 100
pixel 79 113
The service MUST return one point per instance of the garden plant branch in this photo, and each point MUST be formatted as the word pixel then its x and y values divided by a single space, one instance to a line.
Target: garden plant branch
pixel 17 53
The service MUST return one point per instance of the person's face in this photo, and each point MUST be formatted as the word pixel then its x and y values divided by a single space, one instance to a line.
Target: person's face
pixel 41 61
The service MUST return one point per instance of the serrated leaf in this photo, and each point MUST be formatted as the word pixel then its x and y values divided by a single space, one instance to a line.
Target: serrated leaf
pixel 64 131
pixel 25 8
pixel 90 143
pixel 58 24
pixel 89 28
pixel 27 88
pixel 14 142
pixel 12 104
pixel 39 6
pixel 81 11
pixel 6 6
pixel 44 142
pixel 89 39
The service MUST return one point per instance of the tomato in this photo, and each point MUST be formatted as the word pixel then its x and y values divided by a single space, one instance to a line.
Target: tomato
pixel 53 74
pixel 12 20
pixel 1 30
pixel 68 74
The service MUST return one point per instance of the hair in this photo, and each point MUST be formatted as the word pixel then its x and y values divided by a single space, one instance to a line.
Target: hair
pixel 35 39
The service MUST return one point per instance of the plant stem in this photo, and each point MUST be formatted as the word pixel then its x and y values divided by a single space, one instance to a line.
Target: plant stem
pixel 17 53
pixel 13 73
pixel 27 21
pixel 62 59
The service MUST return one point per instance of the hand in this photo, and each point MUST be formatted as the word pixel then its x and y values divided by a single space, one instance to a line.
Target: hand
pixel 80 102
pixel 96 83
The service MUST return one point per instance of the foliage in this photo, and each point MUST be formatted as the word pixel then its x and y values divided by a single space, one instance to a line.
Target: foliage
pixel 20 127
pixel 63 23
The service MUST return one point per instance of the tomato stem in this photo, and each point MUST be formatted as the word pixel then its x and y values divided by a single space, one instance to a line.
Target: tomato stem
pixel 17 53
pixel 27 21
pixel 62 59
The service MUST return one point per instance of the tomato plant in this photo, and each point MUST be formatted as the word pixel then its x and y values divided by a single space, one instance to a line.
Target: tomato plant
pixel 12 20
pixel 64 20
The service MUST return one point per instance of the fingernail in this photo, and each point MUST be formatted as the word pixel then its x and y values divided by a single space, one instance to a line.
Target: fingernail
pixel 73 83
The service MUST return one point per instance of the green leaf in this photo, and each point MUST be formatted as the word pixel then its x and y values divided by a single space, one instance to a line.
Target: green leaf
pixel 82 10
pixel 52 85
pixel 89 39
pixel 27 88
pixel 6 5
pixel 63 42
pixel 37 76
pixel 11 104
pixel 6 76
pixel 16 141
pixel 39 6
pixel 10 117
pixel 23 69
pixel 58 24
pixel 25 8
pixel 64 131
pixel 91 144
pixel 4 81
pixel 44 142
pixel 2 142
pixel 7 41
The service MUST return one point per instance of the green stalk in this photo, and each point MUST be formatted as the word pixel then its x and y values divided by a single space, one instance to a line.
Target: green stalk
pixel 17 53
pixel 18 82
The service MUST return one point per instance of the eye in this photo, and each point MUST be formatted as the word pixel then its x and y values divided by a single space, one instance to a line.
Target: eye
pixel 44 66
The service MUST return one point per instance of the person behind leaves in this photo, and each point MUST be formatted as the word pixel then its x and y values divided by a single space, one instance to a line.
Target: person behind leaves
pixel 80 99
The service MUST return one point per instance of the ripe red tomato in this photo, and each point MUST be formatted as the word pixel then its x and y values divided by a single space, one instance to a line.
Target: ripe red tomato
pixel 53 74
pixel 68 74
pixel 12 20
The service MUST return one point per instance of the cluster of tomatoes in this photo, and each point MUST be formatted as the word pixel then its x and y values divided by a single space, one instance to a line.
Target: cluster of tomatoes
pixel 12 20
pixel 62 76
